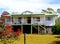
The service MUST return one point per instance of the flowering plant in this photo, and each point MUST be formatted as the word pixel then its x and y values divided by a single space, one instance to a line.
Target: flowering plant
pixel 7 34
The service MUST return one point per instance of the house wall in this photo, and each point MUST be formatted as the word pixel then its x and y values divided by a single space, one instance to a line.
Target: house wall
pixel 24 20
pixel 8 21
pixel 42 21
pixel 50 22
pixel 34 20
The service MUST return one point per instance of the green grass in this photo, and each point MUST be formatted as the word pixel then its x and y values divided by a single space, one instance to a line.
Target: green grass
pixel 37 39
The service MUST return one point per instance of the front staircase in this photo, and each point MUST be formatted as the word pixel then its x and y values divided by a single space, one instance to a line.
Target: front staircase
pixel 41 29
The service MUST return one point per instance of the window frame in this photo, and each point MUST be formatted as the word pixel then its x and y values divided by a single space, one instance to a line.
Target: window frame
pixel 48 18
pixel 8 20
pixel 38 19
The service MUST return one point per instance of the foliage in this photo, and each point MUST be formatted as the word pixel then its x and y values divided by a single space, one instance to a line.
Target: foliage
pixel 5 13
pixel 49 11
pixel 56 29
pixel 58 20
pixel 7 35
pixel 58 10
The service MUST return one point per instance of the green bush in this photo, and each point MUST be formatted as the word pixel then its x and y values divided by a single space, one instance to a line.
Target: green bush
pixel 56 29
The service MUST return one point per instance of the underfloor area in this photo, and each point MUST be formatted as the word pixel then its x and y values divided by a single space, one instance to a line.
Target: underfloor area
pixel 34 29
pixel 15 28
pixel 27 29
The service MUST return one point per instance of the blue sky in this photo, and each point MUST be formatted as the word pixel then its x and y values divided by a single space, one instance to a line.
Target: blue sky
pixel 32 5
pixel 55 2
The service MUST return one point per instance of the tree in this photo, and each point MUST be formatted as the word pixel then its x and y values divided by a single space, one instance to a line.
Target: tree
pixel 58 10
pixel 51 9
pixel 48 10
pixel 44 11
pixel 58 20
pixel 4 13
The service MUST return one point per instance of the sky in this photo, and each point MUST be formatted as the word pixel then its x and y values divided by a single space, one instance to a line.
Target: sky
pixel 20 6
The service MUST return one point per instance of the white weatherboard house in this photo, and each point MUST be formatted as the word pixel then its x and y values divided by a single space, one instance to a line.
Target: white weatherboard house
pixel 32 23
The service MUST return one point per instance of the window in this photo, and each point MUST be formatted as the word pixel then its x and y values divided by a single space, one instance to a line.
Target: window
pixel 48 18
pixel 19 19
pixel 8 20
pixel 38 19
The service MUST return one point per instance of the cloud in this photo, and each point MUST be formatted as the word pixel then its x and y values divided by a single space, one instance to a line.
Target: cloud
pixel 23 5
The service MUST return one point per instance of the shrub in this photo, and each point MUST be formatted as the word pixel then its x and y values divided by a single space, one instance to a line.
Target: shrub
pixel 7 34
pixel 56 29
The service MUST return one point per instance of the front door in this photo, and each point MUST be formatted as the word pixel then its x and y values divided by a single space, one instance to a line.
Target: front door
pixel 28 20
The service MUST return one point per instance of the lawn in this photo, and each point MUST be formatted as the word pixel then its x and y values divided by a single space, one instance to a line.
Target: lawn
pixel 37 39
